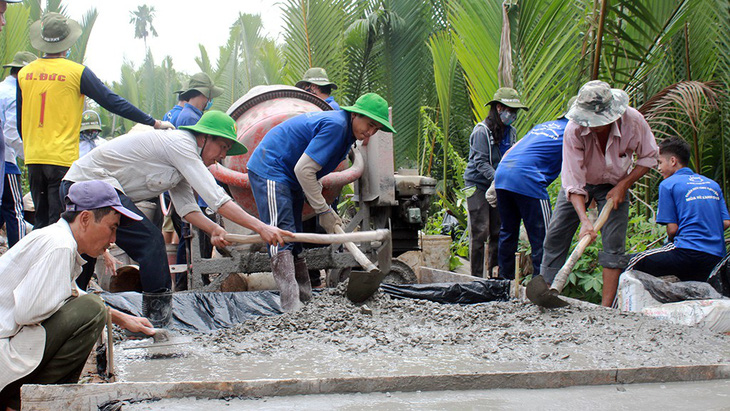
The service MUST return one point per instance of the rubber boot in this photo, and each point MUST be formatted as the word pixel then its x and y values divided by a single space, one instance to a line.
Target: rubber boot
pixel 282 266
pixel 301 273
pixel 157 307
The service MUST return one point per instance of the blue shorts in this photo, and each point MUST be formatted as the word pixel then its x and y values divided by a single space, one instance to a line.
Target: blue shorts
pixel 279 205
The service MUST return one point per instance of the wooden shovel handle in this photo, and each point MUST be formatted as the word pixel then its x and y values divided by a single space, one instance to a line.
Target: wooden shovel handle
pixel 359 256
pixel 340 238
pixel 562 276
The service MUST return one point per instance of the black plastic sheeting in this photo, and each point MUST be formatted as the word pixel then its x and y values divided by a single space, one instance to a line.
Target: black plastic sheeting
pixel 480 291
pixel 208 311
pixel 205 311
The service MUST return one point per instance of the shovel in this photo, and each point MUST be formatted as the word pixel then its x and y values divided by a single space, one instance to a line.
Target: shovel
pixel 538 291
pixel 362 284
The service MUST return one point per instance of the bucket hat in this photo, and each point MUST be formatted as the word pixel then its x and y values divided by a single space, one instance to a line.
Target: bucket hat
pixel 54 33
pixel 95 194
pixel 21 59
pixel 90 120
pixel 202 83
pixel 598 104
pixel 374 107
pixel 509 97
pixel 220 124
pixel 318 76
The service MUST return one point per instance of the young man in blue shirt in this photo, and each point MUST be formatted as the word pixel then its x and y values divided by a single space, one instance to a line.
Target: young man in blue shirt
pixel 285 169
pixel 693 209
pixel 521 181
pixel 315 81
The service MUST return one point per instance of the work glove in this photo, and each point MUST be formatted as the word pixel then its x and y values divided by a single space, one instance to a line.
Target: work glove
pixel 163 125
pixel 491 195
pixel 329 220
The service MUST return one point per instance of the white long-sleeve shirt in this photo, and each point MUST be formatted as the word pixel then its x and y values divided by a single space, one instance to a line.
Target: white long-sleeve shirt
pixel 38 278
pixel 144 165
pixel 13 143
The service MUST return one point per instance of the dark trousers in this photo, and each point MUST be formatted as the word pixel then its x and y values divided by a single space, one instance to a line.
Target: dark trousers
pixel 11 210
pixel 685 264
pixel 484 227
pixel 513 209
pixel 143 242
pixel 45 182
pixel 70 334
pixel 564 222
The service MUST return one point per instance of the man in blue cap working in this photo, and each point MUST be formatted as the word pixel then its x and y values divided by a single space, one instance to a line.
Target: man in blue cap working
pixel 285 169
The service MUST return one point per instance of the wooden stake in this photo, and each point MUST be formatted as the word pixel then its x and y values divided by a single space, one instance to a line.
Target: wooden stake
pixel 109 347
pixel 343 238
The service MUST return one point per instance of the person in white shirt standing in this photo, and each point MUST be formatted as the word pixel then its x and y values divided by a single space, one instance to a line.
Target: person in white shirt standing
pixel 11 211
pixel 47 325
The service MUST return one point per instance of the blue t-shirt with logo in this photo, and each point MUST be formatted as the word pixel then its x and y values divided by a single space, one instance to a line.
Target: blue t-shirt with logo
pixel 171 115
pixel 325 136
pixel 534 162
pixel 696 204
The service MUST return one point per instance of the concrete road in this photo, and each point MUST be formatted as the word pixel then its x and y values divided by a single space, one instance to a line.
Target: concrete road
pixel 708 395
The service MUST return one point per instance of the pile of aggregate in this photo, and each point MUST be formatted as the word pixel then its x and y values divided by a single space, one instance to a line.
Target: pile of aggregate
pixel 464 338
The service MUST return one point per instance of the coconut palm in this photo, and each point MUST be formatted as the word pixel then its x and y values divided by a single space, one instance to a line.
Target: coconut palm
pixel 142 20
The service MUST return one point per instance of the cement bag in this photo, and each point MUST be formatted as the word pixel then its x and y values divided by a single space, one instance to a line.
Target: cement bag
pixel 631 294
pixel 713 315
pixel 720 276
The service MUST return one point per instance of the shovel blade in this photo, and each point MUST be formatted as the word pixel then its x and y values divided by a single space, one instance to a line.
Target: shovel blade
pixel 363 284
pixel 539 293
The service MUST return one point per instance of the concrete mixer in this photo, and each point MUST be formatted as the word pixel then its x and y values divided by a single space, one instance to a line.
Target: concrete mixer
pixel 384 199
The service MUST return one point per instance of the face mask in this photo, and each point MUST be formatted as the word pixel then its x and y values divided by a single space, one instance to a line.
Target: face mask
pixel 208 106
pixel 507 117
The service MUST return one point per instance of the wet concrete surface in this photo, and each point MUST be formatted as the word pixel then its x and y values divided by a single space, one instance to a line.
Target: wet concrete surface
pixel 331 337
pixel 708 395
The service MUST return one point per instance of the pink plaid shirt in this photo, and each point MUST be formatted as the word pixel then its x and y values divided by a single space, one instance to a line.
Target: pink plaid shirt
pixel 584 162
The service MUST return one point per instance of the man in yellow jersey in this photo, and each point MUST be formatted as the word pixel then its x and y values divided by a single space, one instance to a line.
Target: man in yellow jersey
pixel 51 93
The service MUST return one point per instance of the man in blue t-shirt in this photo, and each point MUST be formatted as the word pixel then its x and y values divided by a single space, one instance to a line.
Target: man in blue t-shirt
pixel 521 181
pixel 693 209
pixel 285 169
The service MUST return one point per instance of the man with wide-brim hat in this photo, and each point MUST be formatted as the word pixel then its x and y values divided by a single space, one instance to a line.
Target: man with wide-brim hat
pixel 143 165
pixel 50 103
pixel 489 141
pixel 199 96
pixel 11 193
pixel 315 81
pixel 600 142
pixel 285 169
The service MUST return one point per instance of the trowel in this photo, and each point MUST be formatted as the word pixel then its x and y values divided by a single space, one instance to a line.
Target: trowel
pixel 539 293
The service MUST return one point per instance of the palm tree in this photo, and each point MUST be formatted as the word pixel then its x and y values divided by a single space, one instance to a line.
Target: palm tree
pixel 142 19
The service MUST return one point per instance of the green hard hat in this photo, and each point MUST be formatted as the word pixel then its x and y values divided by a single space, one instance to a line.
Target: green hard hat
pixel 316 75
pixel 21 59
pixel 90 120
pixel 509 97
pixel 220 124
pixel 373 106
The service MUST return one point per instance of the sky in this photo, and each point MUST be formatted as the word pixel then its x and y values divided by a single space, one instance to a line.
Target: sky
pixel 181 25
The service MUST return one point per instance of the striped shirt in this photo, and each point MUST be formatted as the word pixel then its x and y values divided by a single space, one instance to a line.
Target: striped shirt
pixel 38 278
